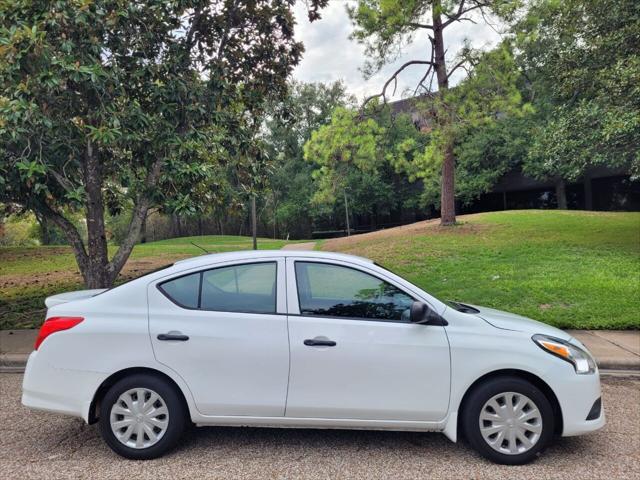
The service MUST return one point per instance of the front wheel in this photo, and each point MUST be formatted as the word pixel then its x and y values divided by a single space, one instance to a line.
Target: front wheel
pixel 508 420
pixel 142 417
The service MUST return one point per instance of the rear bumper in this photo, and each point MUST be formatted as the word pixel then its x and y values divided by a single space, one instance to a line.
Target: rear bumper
pixel 65 391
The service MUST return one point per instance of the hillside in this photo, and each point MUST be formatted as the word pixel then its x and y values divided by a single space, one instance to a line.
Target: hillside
pixel 570 269
pixel 567 268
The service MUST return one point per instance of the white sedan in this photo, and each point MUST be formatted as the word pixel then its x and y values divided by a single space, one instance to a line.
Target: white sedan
pixel 305 339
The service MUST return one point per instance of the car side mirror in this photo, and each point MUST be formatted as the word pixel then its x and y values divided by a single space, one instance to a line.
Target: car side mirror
pixel 422 314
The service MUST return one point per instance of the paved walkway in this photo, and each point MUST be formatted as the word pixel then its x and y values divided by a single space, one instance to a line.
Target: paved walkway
pixel 300 246
pixel 613 349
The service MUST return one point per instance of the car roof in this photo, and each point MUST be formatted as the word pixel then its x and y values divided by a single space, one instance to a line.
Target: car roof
pixel 257 254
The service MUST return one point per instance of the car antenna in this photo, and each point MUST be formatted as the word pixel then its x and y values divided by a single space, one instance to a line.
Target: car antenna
pixel 201 248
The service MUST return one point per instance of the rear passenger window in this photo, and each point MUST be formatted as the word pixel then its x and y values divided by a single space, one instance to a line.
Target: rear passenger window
pixel 183 290
pixel 247 288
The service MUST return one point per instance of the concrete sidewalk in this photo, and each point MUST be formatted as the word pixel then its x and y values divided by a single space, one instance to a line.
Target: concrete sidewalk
pixel 299 246
pixel 613 349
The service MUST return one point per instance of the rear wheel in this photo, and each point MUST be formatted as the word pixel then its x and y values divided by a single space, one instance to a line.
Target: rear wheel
pixel 508 420
pixel 142 417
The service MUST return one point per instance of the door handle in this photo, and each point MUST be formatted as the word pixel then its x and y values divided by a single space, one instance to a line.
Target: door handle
pixel 316 342
pixel 176 336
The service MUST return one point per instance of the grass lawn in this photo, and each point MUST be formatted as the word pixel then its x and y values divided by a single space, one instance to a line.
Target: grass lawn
pixel 30 274
pixel 569 269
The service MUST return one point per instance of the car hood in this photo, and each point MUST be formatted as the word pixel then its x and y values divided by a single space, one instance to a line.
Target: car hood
pixel 511 321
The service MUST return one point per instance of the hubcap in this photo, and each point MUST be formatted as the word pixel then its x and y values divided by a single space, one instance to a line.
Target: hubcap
pixel 510 423
pixel 139 418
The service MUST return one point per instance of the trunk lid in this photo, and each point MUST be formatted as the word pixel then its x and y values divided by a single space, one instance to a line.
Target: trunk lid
pixel 67 297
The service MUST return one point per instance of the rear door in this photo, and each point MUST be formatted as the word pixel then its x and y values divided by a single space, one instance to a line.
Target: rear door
pixel 223 329
pixel 354 353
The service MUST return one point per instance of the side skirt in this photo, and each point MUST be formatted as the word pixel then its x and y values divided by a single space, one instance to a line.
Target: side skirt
pixel 322 423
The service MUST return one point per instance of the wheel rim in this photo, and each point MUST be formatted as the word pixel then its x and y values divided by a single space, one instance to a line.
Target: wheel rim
pixel 139 418
pixel 510 423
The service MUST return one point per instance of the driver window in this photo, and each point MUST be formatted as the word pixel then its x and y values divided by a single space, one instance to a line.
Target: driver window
pixel 337 291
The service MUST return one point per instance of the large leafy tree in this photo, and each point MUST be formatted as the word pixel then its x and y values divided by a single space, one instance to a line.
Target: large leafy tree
pixel 293 119
pixel 339 149
pixel 106 103
pixel 356 158
pixel 386 26
pixel 582 62
pixel 488 116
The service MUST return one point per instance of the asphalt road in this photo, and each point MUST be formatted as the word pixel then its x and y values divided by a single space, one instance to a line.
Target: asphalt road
pixel 41 445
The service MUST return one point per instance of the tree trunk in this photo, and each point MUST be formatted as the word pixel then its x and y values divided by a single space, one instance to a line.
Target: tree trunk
pixel 447 191
pixel 93 263
pixel 45 229
pixel 143 230
pixel 179 225
pixel 96 275
pixel 254 223
pixel 275 215
pixel 447 188
pixel 561 194
pixel 346 212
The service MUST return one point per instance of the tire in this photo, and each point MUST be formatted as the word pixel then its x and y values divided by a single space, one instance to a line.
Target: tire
pixel 160 418
pixel 508 435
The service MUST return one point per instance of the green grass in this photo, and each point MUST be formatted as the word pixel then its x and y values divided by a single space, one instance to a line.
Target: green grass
pixel 568 269
pixel 30 274
pixel 38 260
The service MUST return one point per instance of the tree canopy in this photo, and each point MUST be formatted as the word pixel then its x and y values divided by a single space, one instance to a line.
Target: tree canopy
pixel 384 27
pixel 106 104
pixel 582 60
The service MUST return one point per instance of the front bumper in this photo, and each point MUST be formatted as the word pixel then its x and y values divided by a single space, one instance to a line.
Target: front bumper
pixel 577 395
pixel 59 390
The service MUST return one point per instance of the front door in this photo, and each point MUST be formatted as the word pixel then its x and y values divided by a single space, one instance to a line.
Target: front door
pixel 354 353
pixel 224 331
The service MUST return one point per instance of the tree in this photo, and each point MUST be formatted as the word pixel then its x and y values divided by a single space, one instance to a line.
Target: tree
pixel 582 62
pixel 357 158
pixel 385 26
pixel 485 153
pixel 307 107
pixel 346 143
pixel 253 176
pixel 105 104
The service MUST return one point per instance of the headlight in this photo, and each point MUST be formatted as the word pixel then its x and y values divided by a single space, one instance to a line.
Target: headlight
pixel 581 360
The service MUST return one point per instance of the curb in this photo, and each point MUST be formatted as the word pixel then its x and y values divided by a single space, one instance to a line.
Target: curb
pixel 13 362
pixel 617 364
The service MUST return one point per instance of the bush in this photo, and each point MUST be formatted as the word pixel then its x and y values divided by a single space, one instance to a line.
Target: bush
pixel 18 231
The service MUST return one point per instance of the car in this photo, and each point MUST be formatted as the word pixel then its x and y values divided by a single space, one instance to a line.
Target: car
pixel 305 339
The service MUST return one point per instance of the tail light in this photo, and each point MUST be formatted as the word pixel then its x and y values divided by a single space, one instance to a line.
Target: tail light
pixel 55 324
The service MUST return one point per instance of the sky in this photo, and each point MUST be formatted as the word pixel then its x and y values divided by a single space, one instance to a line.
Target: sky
pixel 330 55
